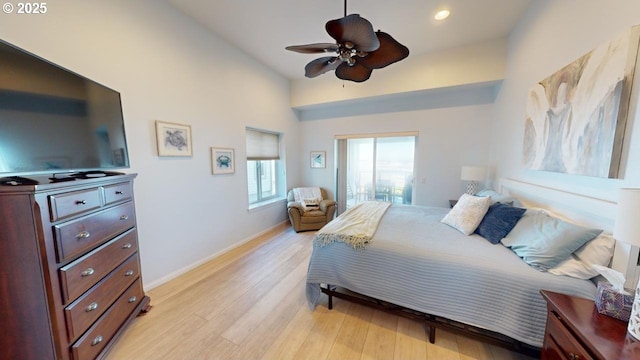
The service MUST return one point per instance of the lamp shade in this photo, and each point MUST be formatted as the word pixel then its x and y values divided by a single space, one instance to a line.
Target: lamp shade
pixel 627 226
pixel 472 173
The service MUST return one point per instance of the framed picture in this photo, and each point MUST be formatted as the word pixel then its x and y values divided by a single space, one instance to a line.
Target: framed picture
pixel 222 161
pixel 173 139
pixel 318 159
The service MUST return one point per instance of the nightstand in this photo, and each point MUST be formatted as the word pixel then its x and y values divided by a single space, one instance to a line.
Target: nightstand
pixel 575 330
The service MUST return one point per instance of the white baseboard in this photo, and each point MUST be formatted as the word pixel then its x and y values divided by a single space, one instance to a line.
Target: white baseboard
pixel 184 270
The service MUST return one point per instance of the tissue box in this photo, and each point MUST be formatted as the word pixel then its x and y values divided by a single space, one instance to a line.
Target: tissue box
pixel 613 303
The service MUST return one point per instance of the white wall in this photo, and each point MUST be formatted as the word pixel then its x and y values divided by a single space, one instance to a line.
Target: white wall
pixel 449 137
pixel 167 67
pixel 551 35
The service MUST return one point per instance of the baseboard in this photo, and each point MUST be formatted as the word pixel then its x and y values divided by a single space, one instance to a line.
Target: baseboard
pixel 186 269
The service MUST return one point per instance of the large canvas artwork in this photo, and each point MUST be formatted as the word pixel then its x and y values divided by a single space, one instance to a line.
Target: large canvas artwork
pixel 576 117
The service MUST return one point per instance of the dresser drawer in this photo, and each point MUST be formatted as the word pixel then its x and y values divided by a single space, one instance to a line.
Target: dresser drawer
pixel 80 275
pixel 118 192
pixel 98 335
pixel 86 309
pixel 565 342
pixel 73 203
pixel 79 235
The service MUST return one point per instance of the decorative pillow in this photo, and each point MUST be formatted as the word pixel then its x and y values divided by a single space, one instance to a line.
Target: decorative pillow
pixel 598 251
pixel 467 213
pixel 498 197
pixel 544 241
pixel 499 221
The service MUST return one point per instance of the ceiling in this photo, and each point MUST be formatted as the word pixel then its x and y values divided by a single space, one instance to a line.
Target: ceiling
pixel 263 29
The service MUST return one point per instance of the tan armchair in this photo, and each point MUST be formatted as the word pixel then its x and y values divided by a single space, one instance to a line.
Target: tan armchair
pixel 310 220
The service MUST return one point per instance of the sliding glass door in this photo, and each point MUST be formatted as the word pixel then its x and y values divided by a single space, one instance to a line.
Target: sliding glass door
pixel 375 168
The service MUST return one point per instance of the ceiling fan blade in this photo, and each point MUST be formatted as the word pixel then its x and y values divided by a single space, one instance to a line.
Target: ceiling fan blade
pixel 314 48
pixel 321 66
pixel 354 29
pixel 390 51
pixel 356 72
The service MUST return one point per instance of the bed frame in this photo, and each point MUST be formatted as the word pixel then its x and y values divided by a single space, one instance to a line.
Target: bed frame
pixel 584 210
pixel 431 321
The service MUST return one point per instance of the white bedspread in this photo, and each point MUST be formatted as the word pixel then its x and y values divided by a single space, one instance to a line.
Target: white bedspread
pixel 419 263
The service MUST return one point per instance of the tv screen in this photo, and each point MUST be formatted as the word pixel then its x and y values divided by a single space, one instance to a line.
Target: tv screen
pixel 54 121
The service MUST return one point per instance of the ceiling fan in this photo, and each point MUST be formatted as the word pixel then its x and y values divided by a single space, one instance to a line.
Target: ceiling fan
pixel 358 49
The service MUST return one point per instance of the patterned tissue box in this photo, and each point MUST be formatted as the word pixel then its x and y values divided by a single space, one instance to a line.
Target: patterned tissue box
pixel 613 303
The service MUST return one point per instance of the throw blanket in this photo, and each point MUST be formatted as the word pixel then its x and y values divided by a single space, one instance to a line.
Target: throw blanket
pixel 356 226
pixel 309 197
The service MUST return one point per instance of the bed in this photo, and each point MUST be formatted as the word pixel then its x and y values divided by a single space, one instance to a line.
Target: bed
pixel 422 266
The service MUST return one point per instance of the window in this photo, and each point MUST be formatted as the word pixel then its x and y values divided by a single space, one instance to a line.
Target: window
pixel 375 167
pixel 264 168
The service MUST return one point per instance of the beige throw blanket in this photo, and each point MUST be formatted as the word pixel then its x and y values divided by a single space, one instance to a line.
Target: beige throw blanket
pixel 309 197
pixel 356 226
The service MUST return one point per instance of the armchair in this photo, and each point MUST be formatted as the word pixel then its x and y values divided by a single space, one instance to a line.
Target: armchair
pixel 310 220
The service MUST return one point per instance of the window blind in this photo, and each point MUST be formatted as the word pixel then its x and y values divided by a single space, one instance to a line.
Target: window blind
pixel 262 145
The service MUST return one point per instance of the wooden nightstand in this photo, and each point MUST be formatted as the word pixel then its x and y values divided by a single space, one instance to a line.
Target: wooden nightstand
pixel 575 330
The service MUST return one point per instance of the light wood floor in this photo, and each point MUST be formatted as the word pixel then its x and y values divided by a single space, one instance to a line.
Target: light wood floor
pixel 250 304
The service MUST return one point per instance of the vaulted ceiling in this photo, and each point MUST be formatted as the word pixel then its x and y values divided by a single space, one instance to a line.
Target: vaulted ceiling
pixel 263 29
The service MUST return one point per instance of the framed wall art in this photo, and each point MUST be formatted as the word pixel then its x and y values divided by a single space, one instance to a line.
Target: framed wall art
pixel 318 159
pixel 576 117
pixel 222 161
pixel 173 139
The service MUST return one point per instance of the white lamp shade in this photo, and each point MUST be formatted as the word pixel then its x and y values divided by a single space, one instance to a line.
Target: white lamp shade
pixel 472 173
pixel 627 226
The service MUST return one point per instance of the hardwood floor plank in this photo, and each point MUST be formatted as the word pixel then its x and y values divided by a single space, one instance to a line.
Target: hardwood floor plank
pixel 411 340
pixel 353 333
pixel 470 349
pixel 381 337
pixel 292 337
pixel 327 323
pixel 274 324
pixel 445 348
pixel 243 327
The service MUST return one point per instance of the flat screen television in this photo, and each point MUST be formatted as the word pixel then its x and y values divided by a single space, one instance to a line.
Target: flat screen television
pixel 54 121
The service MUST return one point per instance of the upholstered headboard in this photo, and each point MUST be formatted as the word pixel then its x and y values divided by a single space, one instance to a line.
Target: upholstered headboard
pixel 581 209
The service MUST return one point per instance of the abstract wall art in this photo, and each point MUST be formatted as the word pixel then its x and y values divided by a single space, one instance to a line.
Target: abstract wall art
pixel 576 118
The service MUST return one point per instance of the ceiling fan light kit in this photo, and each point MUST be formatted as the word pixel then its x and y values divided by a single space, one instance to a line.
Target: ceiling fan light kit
pixel 358 50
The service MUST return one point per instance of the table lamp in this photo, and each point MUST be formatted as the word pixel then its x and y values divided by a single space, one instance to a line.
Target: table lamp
pixel 627 229
pixel 472 174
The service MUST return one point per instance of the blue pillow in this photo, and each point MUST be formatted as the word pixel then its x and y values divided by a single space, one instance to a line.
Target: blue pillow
pixel 544 241
pixel 499 221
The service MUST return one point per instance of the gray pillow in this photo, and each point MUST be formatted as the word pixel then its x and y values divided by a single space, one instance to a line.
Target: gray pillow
pixel 544 241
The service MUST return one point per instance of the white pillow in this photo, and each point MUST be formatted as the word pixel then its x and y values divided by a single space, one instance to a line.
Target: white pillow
pixel 467 214
pixel 596 252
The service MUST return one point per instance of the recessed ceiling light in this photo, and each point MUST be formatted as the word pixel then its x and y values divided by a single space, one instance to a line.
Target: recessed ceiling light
pixel 442 14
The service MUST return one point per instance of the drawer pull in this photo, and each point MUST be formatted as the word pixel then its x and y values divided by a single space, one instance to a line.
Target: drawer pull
pixel 97 340
pixel 124 217
pixel 118 192
pixel 91 307
pixel 83 235
pixel 87 272
pixel 81 202
pixel 126 246
pixel 129 273
pixel 132 299
pixel 573 356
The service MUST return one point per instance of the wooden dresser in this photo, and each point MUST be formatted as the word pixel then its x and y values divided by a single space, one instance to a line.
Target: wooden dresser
pixel 576 331
pixel 69 267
